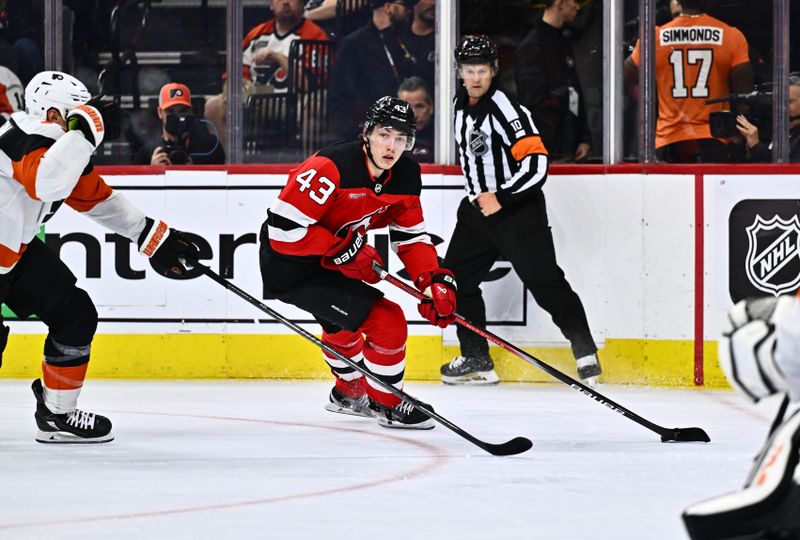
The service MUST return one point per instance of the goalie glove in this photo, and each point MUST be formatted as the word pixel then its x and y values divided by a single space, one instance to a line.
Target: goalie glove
pixel 169 250
pixel 758 351
pixel 87 120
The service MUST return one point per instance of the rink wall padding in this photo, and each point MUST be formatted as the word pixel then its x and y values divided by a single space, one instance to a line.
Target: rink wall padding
pixel 657 253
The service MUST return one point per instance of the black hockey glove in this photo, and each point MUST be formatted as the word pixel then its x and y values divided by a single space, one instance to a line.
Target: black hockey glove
pixel 3 341
pixel 170 251
pixel 112 116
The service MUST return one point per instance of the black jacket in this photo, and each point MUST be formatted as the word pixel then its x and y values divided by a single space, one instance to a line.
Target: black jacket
pixel 362 73
pixel 545 70
pixel 201 146
pixel 762 153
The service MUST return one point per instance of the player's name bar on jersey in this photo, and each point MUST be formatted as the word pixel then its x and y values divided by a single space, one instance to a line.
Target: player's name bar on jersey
pixel 695 35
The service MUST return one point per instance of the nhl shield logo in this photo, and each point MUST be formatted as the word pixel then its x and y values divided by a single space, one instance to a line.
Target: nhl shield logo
pixel 477 142
pixel 773 258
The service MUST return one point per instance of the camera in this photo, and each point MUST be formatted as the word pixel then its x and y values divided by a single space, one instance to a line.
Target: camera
pixel 723 124
pixel 176 152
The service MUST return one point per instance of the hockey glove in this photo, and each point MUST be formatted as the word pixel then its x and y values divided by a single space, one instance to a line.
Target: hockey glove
pixel 750 357
pixel 87 120
pixel 112 116
pixel 353 257
pixel 3 341
pixel 440 285
pixel 169 250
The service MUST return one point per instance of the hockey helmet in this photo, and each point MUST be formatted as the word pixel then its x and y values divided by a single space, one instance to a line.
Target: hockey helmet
pixel 54 90
pixel 394 113
pixel 476 49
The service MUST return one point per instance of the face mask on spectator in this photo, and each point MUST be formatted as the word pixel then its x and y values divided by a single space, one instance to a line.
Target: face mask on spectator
pixel 179 123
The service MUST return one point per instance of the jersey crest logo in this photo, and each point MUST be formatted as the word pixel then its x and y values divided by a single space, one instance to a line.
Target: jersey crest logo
pixel 477 142
pixel 378 188
pixel 773 254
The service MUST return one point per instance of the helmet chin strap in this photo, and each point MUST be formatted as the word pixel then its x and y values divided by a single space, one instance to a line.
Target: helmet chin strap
pixel 369 153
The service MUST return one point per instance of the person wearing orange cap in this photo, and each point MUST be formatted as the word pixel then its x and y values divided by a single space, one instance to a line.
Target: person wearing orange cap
pixel 183 140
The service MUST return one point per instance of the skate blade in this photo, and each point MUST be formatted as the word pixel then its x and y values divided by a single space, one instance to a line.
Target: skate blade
pixel 61 437
pixel 345 410
pixel 477 378
pixel 591 382
pixel 427 424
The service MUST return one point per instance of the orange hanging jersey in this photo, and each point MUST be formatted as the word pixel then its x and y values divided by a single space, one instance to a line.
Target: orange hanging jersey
pixel 694 57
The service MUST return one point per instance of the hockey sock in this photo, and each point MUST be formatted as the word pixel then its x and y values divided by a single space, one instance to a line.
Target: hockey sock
pixel 63 372
pixel 386 331
pixel 348 380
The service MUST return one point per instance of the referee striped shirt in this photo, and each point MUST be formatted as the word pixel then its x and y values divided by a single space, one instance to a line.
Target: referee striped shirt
pixel 499 147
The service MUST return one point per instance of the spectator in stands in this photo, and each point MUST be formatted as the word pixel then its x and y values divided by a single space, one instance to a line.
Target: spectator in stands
pixel 21 26
pixel 11 94
pixel 697 58
pixel 183 141
pixel 421 41
pixel 548 85
pixel 370 63
pixel 265 57
pixel 418 95
pixel 760 152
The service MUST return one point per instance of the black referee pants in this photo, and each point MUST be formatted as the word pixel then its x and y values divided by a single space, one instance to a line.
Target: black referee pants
pixel 521 234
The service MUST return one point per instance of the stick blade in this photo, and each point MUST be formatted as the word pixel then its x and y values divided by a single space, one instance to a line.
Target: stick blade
pixel 691 434
pixel 513 447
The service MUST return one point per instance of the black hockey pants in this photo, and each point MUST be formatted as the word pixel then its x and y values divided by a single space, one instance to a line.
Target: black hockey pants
pixel 521 234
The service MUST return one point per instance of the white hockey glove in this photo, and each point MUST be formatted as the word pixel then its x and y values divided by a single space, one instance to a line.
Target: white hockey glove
pixel 89 121
pixel 747 349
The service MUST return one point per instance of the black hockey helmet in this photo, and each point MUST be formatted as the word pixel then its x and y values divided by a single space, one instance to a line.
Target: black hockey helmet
pixel 394 113
pixel 476 49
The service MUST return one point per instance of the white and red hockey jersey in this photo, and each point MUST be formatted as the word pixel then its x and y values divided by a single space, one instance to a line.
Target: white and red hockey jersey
pixel 41 167
pixel 332 192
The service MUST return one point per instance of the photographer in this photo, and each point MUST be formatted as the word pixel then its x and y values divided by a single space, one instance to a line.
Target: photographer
pixel 183 141
pixel 758 152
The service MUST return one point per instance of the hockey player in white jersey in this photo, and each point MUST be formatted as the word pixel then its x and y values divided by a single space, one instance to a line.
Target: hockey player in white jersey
pixel 760 355
pixel 45 162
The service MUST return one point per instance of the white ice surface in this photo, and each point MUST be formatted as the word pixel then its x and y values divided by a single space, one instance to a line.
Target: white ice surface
pixel 263 459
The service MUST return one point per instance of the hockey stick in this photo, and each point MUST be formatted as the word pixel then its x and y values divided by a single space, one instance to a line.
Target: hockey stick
pixel 693 434
pixel 515 446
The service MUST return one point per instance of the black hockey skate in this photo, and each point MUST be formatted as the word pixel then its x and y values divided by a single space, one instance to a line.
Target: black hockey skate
pixel 355 406
pixel 469 370
pixel 589 369
pixel 76 427
pixel 402 416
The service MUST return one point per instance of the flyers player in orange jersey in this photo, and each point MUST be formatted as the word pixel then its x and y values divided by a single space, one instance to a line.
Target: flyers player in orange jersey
pixel 698 58
pixel 760 355
pixel 44 163
pixel 315 255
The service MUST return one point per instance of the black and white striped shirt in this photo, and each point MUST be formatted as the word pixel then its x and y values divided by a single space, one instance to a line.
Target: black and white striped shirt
pixel 498 146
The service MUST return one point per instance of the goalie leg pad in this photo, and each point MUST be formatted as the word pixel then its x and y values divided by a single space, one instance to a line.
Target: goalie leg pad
pixel 768 506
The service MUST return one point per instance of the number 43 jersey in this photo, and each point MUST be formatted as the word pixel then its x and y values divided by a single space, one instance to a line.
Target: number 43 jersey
pixel 694 57
pixel 332 192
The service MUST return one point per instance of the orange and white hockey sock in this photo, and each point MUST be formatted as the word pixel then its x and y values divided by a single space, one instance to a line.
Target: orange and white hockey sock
pixel 63 373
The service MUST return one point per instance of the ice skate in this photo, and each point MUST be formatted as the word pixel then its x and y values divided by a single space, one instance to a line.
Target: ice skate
pixel 402 416
pixel 589 369
pixel 469 370
pixel 354 406
pixel 76 427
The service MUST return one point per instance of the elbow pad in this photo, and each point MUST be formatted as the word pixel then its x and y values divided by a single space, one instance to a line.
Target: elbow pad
pixel 61 166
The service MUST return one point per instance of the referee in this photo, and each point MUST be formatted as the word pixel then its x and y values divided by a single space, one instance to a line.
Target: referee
pixel 505 166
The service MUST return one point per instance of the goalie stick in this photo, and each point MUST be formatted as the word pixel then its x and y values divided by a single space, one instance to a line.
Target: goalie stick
pixel 692 434
pixel 515 446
